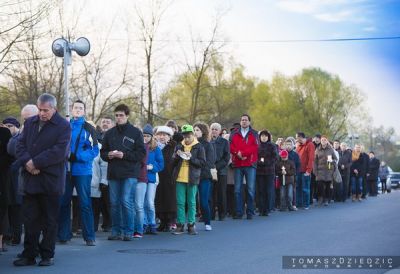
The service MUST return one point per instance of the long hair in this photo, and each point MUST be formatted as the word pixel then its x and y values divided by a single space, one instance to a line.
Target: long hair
pixel 204 129
pixel 152 144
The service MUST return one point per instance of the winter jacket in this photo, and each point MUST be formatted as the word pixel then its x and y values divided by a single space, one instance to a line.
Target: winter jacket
pixel 306 153
pixel 323 170
pixel 373 169
pixel 296 159
pixel 49 150
pixel 383 172
pixel 15 171
pixel 196 162
pixel 290 169
pixel 156 159
pixel 5 162
pixel 267 158
pixel 222 155
pixel 85 149
pixel 99 176
pixel 210 159
pixel 345 160
pixel 129 140
pixel 248 146
pixel 359 165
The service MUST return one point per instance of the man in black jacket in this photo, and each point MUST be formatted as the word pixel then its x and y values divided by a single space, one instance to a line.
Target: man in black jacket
pixel 123 149
pixel 372 174
pixel 42 150
pixel 221 147
pixel 344 168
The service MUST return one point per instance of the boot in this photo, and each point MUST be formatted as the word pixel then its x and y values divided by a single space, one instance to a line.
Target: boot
pixel 359 198
pixel 353 198
pixel 180 229
pixel 192 229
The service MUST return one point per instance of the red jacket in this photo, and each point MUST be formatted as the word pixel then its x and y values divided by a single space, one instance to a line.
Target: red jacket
pixel 306 153
pixel 248 146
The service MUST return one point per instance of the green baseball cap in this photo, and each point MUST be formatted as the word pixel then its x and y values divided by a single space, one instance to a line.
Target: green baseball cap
pixel 187 129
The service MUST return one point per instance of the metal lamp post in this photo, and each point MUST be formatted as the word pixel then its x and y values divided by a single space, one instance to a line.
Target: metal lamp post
pixel 63 48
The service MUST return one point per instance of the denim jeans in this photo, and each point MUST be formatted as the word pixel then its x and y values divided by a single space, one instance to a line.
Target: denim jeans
pixel 122 211
pixel 204 191
pixel 286 196
pixel 356 185
pixel 186 193
pixel 149 209
pixel 140 195
pixel 82 186
pixel 250 174
pixel 303 190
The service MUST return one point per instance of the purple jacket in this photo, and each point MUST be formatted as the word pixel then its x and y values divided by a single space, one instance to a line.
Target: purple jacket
pixel 49 150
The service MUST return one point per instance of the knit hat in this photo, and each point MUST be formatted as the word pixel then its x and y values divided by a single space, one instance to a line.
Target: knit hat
pixel 148 129
pixel 284 154
pixel 13 121
pixel 164 129
pixel 187 129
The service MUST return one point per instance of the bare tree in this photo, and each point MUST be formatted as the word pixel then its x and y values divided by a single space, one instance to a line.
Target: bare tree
pixel 17 19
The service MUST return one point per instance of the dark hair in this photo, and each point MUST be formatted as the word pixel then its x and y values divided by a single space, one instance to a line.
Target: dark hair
pixel 301 134
pixel 80 102
pixel 337 141
pixel 204 130
pixel 124 108
pixel 248 116
pixel 318 135
pixel 172 123
pixel 372 152
pixel 266 133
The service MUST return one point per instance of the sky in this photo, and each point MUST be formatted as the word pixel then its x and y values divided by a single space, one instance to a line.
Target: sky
pixel 248 25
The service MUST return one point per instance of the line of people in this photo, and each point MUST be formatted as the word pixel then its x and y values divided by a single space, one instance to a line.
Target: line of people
pixel 133 177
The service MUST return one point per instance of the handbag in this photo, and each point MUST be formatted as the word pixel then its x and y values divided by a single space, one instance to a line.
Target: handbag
pixel 337 178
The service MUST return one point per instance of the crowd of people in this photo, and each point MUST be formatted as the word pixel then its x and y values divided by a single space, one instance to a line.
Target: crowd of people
pixel 158 179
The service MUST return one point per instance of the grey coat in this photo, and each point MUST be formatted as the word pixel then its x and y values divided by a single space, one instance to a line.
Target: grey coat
pixel 322 169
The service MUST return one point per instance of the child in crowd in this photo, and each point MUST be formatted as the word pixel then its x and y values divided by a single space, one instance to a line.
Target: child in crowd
pixel 285 170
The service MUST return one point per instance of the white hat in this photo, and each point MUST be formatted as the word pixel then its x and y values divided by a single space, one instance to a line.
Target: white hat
pixel 165 129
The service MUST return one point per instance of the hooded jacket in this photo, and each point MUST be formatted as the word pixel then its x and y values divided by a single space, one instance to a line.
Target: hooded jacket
pixel 247 145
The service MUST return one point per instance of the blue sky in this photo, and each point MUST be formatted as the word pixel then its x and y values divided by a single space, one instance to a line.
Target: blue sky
pixel 373 66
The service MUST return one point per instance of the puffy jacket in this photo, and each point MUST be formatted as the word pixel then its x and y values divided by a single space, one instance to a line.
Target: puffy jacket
pixel 306 153
pixel 196 162
pixel 248 146
pixel 290 169
pixel 267 158
pixel 210 159
pixel 129 140
pixel 87 148
pixel 156 159
pixel 322 169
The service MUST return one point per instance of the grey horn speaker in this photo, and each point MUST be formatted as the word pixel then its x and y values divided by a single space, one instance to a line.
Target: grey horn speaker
pixel 81 46
pixel 58 47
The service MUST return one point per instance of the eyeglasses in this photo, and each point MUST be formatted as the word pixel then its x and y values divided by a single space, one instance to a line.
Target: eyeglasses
pixel 119 115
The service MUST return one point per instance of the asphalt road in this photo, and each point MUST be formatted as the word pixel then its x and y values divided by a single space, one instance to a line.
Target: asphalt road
pixel 369 228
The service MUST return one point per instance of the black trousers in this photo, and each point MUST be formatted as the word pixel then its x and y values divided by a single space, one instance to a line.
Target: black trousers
pixel 15 221
pixel 324 191
pixel 372 187
pixel 96 212
pixel 220 187
pixel 105 207
pixel 40 213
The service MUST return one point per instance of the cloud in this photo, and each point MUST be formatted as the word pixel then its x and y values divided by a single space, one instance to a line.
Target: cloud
pixel 370 29
pixel 329 10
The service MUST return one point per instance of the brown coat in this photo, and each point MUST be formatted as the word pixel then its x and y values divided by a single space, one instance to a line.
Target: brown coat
pixel 290 169
pixel 322 170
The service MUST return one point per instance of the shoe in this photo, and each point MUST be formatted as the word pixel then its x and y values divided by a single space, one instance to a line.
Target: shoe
pixel 208 228
pixel 114 238
pixel 90 243
pixel 24 262
pixel 294 208
pixel 326 204
pixel 152 230
pixel 291 208
pixel 192 229
pixel 237 217
pixel 180 229
pixel 161 227
pixel 249 217
pixel 137 235
pixel 46 262
pixel 307 208
pixel 127 238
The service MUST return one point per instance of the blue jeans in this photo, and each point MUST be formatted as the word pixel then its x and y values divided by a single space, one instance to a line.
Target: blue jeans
pixel 122 211
pixel 356 185
pixel 149 208
pixel 250 174
pixel 303 190
pixel 140 195
pixel 82 185
pixel 286 196
pixel 204 191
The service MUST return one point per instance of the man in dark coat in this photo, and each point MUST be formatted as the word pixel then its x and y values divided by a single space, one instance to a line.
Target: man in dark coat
pixel 43 151
pixel 372 174
pixel 344 168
